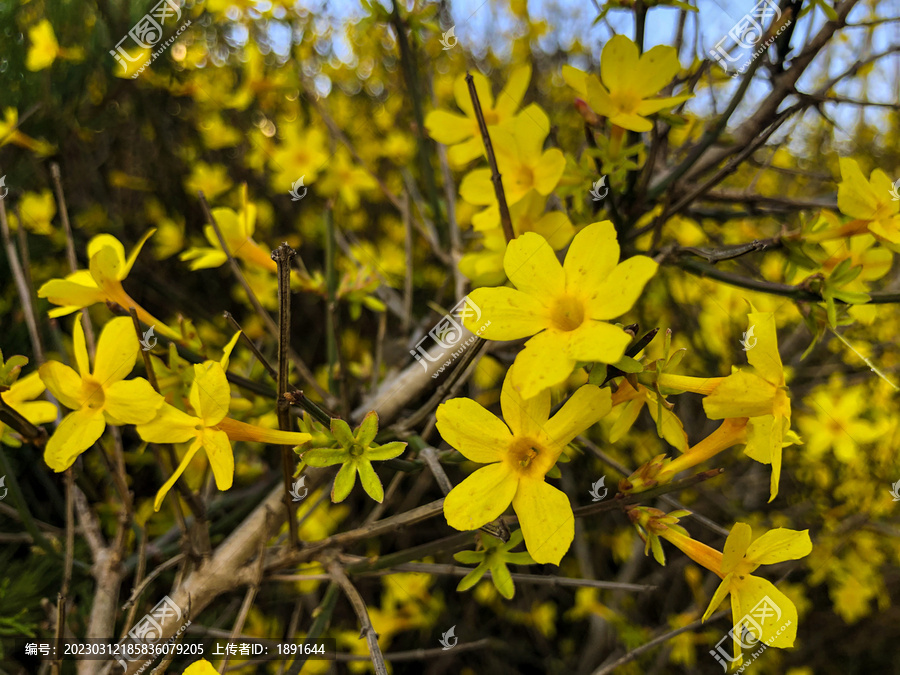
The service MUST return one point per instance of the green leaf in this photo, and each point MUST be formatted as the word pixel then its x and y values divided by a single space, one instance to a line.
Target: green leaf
pixel 629 365
pixel 368 429
pixel 598 374
pixel 554 472
pixel 344 482
pixel 320 457
pixel 370 481
pixel 657 550
pixel 502 580
pixel 341 431
pixel 852 297
pixel 469 557
pixel 472 578
pixel 387 451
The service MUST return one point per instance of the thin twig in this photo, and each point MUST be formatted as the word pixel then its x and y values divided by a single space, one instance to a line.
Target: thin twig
pixel 505 219
pixel 282 257
pixel 362 613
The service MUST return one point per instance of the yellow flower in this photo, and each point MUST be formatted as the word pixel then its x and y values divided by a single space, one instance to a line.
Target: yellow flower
pixel 523 163
pixel 565 307
pixel 345 180
pixel 201 667
pixel 208 427
pixel 630 79
pixel 777 626
pixel 518 456
pixel 10 134
pixel 461 131
pixel 485 267
pixel 869 202
pixel 302 153
pixel 97 397
pixel 237 229
pixel 211 180
pixel 37 211
pixel 102 283
pixel 45 49
pixel 20 397
pixel 760 395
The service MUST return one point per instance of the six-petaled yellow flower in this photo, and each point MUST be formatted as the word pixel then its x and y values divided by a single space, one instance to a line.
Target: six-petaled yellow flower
pixel 630 79
pixel 565 307
pixel 519 454
pixel 97 396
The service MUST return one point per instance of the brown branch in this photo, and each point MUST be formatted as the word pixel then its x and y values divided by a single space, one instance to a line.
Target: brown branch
pixel 282 257
pixel 505 219
pixel 362 613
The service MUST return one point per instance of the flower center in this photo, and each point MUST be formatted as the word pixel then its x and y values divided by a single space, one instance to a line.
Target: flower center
pixel 491 117
pixel 527 456
pixel 525 176
pixel 626 101
pixel 567 314
pixel 92 393
pixel 356 450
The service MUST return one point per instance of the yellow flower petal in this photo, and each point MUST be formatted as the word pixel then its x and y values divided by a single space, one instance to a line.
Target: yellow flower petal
pixel 618 292
pixel 76 433
pixel 480 498
pixel 101 241
pixel 79 346
pixel 129 263
pixel 510 97
pixel 780 613
pixel 593 254
pixel 71 294
pixel 718 597
pixel 764 356
pixel 475 432
pixel 170 425
pixel 63 382
pixel 582 410
pixel 164 490
pixel 575 78
pixel 531 265
pixel 549 170
pixel 221 457
pixel 741 394
pixel 482 88
pixel 476 187
pixel 855 197
pixel 546 519
pixel 778 545
pixel 735 546
pixel 543 363
pixel 653 105
pixel 619 63
pixel 512 313
pixel 117 349
pixel 132 401
pixel 201 667
pixel 448 128
pixel 526 417
pixel 597 341
pixel 655 70
pixel 210 394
